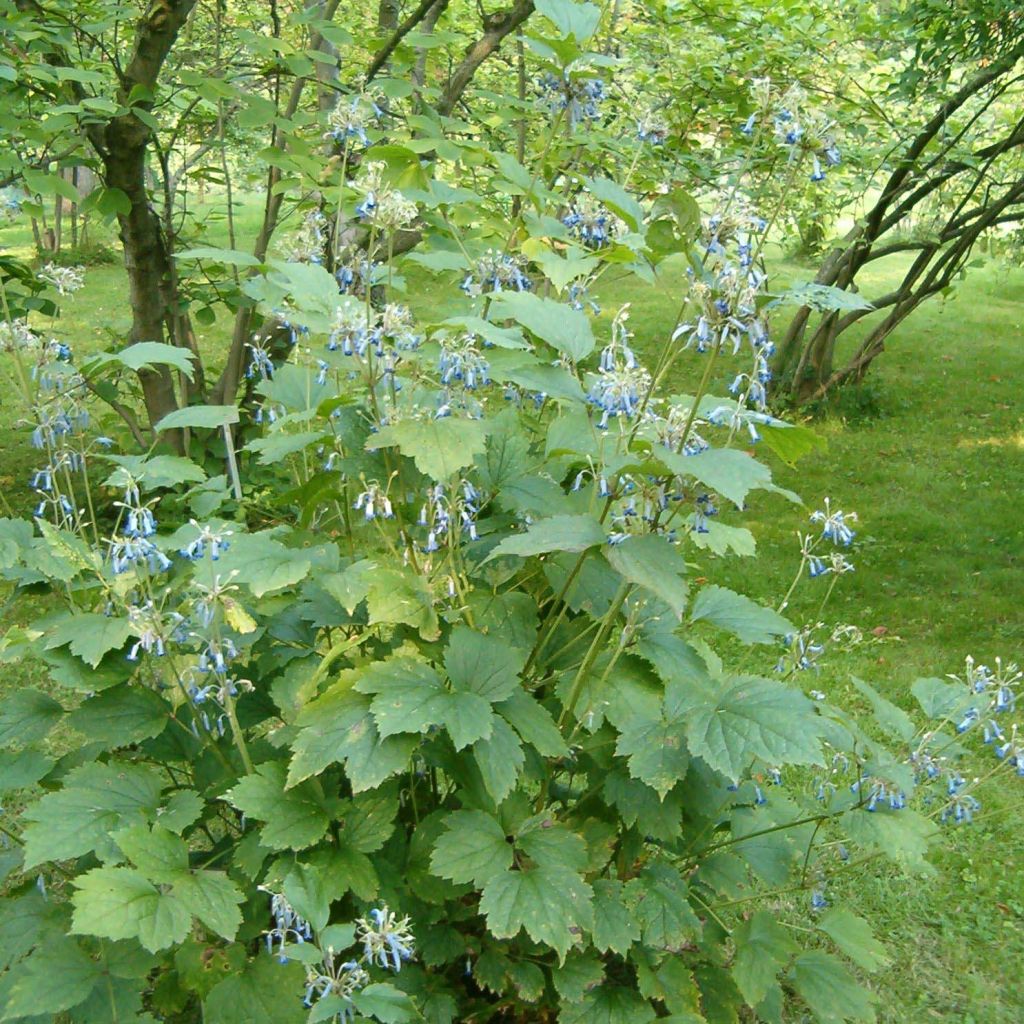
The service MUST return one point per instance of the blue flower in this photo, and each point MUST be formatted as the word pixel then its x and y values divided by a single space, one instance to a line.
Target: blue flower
pixel 835 524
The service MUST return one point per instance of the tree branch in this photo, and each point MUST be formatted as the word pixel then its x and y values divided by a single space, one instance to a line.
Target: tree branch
pixel 382 55
pixel 496 28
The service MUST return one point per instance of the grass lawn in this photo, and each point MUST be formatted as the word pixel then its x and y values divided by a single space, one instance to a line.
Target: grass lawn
pixel 930 453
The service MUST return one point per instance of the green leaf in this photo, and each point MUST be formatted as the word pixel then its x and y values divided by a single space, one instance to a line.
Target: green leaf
pixel 550 844
pixel 20 769
pixel 153 471
pixel 558 270
pixel 124 714
pixel 941 699
pixel 96 800
pixel 258 994
pixel 159 855
pixel 500 337
pixel 309 288
pixel 277 446
pixel 565 329
pixel 119 903
pixel 656 749
pixel 26 716
pixel 47 184
pixel 350 586
pixel 641 806
pixel 369 818
pixel 144 354
pixel 580 973
pixel 500 759
pixel 511 615
pixel 553 381
pixel 304 888
pixel 903 836
pixel 722 538
pixel 661 907
pixel 184 806
pixel 294 818
pixel 411 697
pixel 821 297
pixel 386 1003
pixel 732 473
pixel 338 727
pixel 534 723
pixel 370 759
pixel 751 719
pixel 469 719
pixel 571 18
pixel 791 442
pixel 214 899
pixel 296 388
pixel 609 1004
pixel 202 416
pixel 556 533
pixel 229 257
pixel 109 202
pixel 615 927
pixel 853 935
pixel 90 635
pixel 830 990
pixel 672 983
pixel 439 448
pixel 748 620
pixel 472 849
pixel 763 948
pixel 261 562
pixel 439 261
pixel 617 199
pixel 483 664
pixel 549 903
pixel 654 564
pixel 895 721
pixel 354 870
pixel 401 595
pixel 56 977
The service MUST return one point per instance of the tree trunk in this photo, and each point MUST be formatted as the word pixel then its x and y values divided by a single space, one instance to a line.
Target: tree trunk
pixel 74 210
pixel 123 145
pixel 145 260
pixel 58 221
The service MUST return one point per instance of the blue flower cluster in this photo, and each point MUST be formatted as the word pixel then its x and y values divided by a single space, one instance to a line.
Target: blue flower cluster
pixel 462 369
pixel 133 546
pixel 309 243
pixel 795 126
pixel 651 129
pixel 621 383
pixel 387 939
pixel 497 272
pixel 289 926
pixel 580 97
pixel 347 122
pixel 355 273
pixel 835 525
pixel 590 222
pixel 440 511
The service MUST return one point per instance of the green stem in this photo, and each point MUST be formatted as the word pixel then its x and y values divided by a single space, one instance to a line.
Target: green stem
pixel 607 621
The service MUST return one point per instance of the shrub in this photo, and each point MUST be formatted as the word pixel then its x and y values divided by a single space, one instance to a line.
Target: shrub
pixel 444 727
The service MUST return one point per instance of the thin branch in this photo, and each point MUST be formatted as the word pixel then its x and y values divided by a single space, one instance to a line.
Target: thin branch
pixel 382 55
